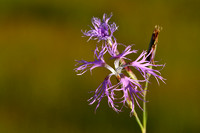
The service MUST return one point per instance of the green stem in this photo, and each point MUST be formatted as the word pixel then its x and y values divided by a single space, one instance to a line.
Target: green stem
pixel 136 116
pixel 138 121
pixel 144 105
pixel 144 109
pixel 152 48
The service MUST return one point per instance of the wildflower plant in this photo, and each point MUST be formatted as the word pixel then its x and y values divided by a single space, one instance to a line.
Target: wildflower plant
pixel 129 91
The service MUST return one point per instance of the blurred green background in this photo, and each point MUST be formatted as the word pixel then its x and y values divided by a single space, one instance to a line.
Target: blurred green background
pixel 39 41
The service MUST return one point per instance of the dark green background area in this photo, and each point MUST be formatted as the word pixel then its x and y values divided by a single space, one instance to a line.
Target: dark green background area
pixel 40 40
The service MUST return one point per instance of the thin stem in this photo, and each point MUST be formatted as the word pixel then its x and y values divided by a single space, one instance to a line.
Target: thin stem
pixel 152 49
pixel 138 121
pixel 136 116
pixel 144 106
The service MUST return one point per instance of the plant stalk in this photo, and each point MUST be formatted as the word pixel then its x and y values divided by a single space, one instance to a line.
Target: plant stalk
pixel 152 49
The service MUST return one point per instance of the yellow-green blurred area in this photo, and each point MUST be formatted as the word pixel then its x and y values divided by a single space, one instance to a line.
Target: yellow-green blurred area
pixel 40 41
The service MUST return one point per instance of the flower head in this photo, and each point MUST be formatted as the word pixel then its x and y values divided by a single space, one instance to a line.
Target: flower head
pixel 101 30
pixel 130 88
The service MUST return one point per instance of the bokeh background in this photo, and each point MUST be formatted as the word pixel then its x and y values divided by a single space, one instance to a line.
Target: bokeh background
pixel 39 41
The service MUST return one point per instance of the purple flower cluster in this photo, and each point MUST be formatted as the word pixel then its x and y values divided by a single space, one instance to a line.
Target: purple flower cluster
pixel 130 89
pixel 101 30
